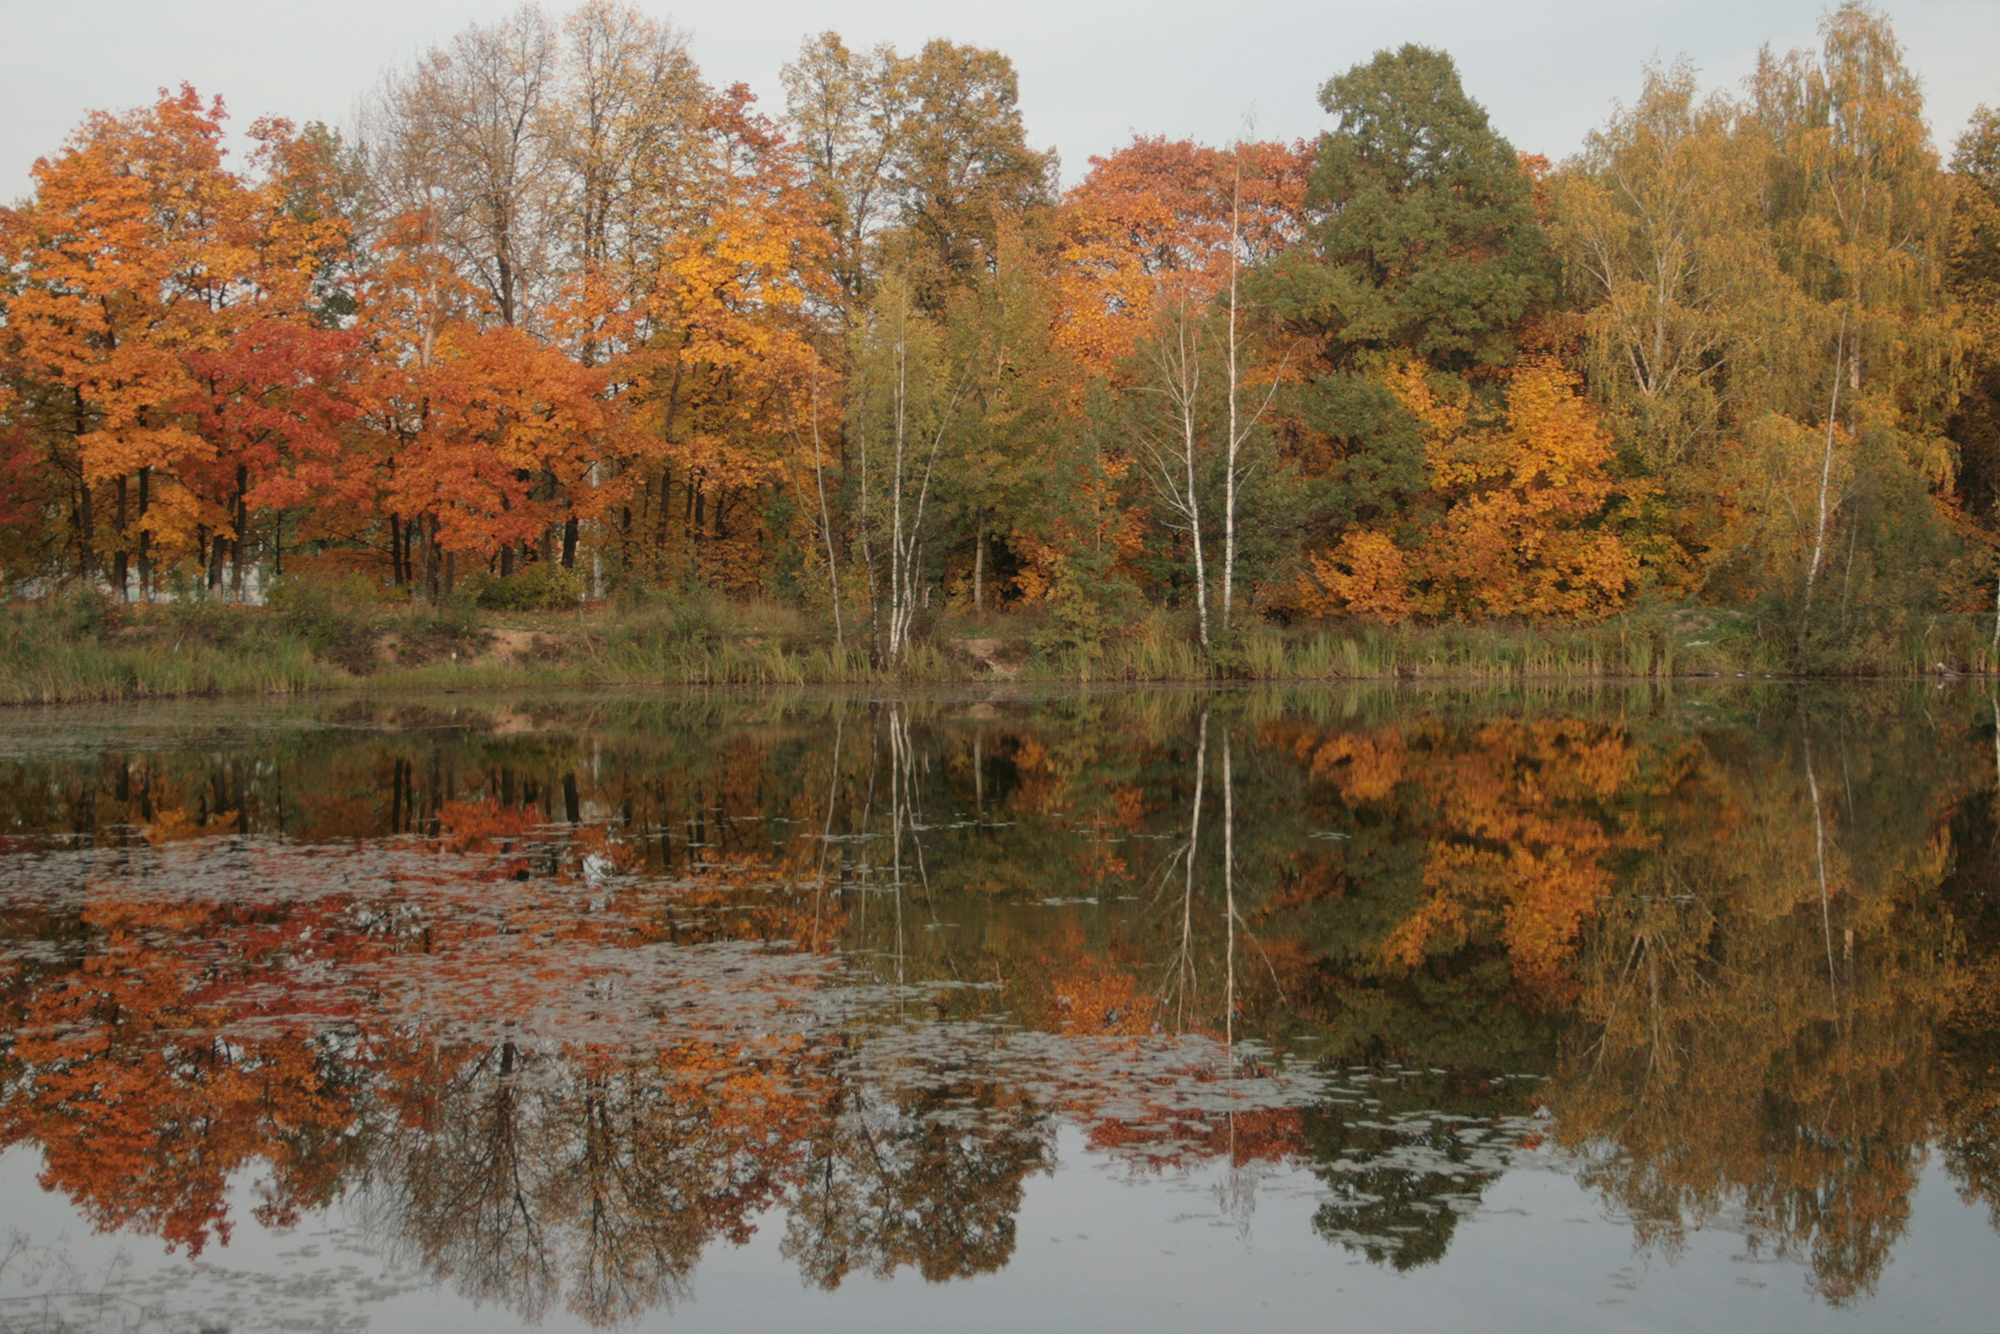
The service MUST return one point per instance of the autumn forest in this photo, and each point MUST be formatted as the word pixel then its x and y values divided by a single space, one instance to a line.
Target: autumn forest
pixel 560 318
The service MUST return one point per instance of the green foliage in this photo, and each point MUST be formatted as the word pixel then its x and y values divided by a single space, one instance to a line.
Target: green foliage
pixel 1426 249
pixel 1784 307
pixel 540 586
pixel 963 161
pixel 334 616
pixel 1429 242
pixel 425 633
pixel 1975 285
pixel 201 620
pixel 83 646
pixel 80 612
pixel 1382 471
pixel 1086 605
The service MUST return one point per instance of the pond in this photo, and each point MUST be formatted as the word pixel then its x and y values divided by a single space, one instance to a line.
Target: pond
pixel 1580 1008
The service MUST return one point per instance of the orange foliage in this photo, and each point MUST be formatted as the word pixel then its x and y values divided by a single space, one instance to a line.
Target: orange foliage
pixel 1517 536
pixel 171 300
pixel 1366 575
pixel 1152 223
pixel 1516 539
pixel 1517 850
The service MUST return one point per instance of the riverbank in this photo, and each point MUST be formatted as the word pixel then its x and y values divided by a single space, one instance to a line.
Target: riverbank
pixel 82 649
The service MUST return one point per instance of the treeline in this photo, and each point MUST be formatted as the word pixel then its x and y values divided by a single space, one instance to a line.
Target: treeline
pixel 558 313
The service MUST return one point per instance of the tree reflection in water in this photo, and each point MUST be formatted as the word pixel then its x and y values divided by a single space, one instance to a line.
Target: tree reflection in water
pixel 567 994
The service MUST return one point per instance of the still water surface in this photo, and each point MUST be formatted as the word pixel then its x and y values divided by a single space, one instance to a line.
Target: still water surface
pixel 1144 1010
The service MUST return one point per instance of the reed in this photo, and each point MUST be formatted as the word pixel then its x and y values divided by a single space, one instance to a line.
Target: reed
pixel 82 648
pixel 77 650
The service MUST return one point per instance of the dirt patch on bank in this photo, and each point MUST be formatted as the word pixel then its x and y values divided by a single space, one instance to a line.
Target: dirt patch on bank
pixel 1003 658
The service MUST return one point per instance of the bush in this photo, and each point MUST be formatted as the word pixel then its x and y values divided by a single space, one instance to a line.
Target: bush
pixel 334 615
pixel 425 634
pixel 1088 603
pixel 82 612
pixel 659 627
pixel 542 586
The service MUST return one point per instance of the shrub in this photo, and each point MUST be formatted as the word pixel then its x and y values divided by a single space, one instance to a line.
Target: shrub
pixel 542 586
pixel 202 620
pixel 82 612
pixel 334 615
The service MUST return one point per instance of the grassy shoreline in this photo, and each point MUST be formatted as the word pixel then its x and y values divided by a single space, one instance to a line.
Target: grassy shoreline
pixel 80 650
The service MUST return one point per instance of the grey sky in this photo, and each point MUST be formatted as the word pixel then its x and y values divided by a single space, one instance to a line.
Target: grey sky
pixel 1092 71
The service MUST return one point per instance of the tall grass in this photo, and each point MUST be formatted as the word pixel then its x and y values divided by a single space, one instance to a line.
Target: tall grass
pixel 83 648
pixel 1163 647
pixel 78 649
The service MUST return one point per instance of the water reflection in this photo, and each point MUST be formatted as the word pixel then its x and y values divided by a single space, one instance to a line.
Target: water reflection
pixel 564 994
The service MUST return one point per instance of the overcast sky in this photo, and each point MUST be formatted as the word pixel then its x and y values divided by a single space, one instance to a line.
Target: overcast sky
pixel 1093 72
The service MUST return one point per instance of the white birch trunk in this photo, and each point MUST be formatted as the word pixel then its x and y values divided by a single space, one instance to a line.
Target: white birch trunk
pixel 1230 474
pixel 826 523
pixel 1825 490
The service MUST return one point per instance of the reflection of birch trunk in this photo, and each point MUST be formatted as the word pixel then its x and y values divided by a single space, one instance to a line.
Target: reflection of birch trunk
pixel 979 777
pixel 912 813
pixel 1825 908
pixel 826 832
pixel 905 819
pixel 898 813
pixel 1237 1193
pixel 867 826
pixel 1184 963
pixel 1229 902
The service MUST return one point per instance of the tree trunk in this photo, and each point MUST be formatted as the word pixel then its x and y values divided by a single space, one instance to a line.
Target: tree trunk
pixel 121 572
pixel 1194 531
pixel 145 537
pixel 428 524
pixel 979 563
pixel 242 530
pixel 898 600
pixel 1229 478
pixel 826 529
pixel 666 497
pixel 87 536
pixel 1825 486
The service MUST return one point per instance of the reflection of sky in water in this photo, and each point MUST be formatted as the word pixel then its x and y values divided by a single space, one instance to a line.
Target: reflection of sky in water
pixel 1099 1249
